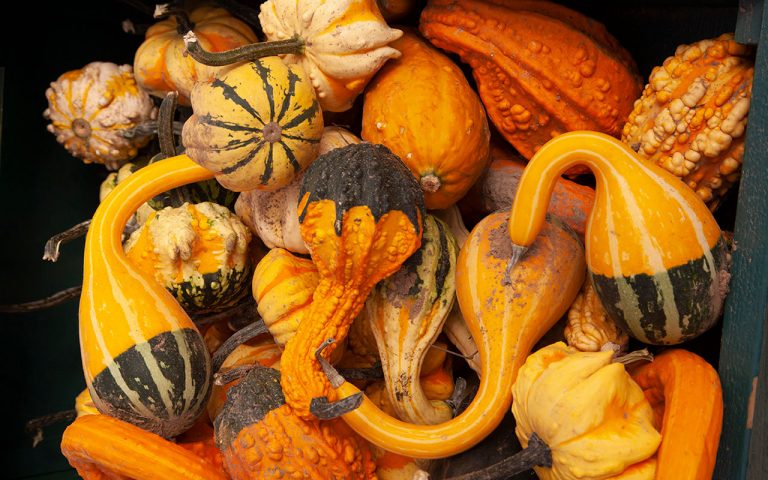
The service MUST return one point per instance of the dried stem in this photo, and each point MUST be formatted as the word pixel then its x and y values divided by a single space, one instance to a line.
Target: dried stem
pixel 637 356
pixel 165 125
pixel 249 52
pixel 325 410
pixel 34 427
pixel 223 378
pixel 47 302
pixel 149 128
pixel 518 251
pixel 536 454
pixel 51 250
pixel 238 338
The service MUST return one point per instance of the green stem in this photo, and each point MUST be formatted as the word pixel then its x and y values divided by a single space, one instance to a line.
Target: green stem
pixel 249 52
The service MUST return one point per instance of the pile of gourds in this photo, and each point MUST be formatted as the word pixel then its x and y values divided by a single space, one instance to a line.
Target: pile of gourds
pixel 362 271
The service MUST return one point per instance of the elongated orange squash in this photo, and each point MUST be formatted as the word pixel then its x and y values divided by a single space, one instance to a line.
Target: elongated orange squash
pixel 144 360
pixel 507 313
pixel 655 253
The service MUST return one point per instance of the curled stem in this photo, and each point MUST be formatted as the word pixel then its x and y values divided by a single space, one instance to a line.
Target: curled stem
pixel 223 378
pixel 53 300
pixel 238 338
pixel 165 125
pixel 51 250
pixel 245 53
pixel 320 406
pixel 536 454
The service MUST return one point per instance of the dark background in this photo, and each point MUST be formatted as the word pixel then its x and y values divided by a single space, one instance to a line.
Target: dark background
pixel 43 190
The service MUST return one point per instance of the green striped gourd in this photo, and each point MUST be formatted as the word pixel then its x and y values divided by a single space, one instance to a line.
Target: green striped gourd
pixel 144 360
pixel 655 253
pixel 256 126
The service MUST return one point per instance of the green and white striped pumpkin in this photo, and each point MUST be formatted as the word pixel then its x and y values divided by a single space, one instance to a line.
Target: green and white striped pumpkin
pixel 256 126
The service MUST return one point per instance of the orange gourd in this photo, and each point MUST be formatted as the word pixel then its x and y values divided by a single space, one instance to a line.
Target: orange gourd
pixel 541 68
pixel 685 394
pixel 422 108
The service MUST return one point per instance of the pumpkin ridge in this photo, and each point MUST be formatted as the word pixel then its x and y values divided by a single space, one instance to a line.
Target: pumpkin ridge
pixel 300 139
pixel 248 158
pixel 288 95
pixel 268 164
pixel 263 73
pixel 300 118
pixel 291 157
pixel 208 119
pixel 230 93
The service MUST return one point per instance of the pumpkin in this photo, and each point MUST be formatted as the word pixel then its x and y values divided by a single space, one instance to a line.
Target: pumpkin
pixel 361 215
pixel 687 399
pixel 198 252
pixel 160 63
pixel 541 69
pixel 497 187
pixel 406 312
pixel 692 116
pixel 589 328
pixel 256 126
pixel 587 411
pixel 422 108
pixel 92 109
pixel 506 312
pixel 660 268
pixel 144 361
pixel 100 446
pixel 272 215
pixel 262 437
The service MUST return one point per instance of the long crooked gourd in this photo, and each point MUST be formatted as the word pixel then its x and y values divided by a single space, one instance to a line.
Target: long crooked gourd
pixel 507 313
pixel 144 360
pixel 655 253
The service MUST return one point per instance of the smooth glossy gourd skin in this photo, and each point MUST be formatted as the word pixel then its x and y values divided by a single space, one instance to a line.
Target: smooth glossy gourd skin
pixel 506 314
pixel 655 253
pixel 687 399
pixel 143 358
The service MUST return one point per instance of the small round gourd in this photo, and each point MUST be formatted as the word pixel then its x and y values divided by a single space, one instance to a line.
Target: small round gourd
pixel 92 108
pixel 198 252
pixel 256 126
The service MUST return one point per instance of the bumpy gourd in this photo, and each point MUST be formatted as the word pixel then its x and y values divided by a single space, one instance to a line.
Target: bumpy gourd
pixel 687 399
pixel 406 312
pixel 343 43
pixel 655 253
pixel 198 252
pixel 100 446
pixel 144 360
pixel 541 68
pixel 361 214
pixel 92 109
pixel 588 328
pixel 262 437
pixel 282 286
pixel 589 412
pixel 422 108
pixel 160 63
pixel 256 126
pixel 507 312
pixel 692 115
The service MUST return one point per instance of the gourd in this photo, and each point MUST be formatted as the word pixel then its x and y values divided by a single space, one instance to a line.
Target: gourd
pixel 455 328
pixel 541 69
pixel 262 437
pixel 422 108
pixel 272 215
pixel 84 404
pixel 100 446
pixel 200 440
pixel 256 126
pixel 198 252
pixel 586 412
pixel 693 113
pixel 283 285
pixel 687 399
pixel 655 253
pixel 92 109
pixel 395 9
pixel 506 313
pixel 160 63
pixel 361 215
pixel 436 386
pixel 497 187
pixel 406 312
pixel 144 360
pixel 588 328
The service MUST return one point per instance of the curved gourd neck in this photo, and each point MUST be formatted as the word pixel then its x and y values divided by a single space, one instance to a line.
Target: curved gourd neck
pixel 596 151
pixel 481 417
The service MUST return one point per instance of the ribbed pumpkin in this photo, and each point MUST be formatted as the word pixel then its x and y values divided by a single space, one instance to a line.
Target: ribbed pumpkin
pixel 655 253
pixel 406 312
pixel 90 109
pixel 160 63
pixel 361 214
pixel 144 360
pixel 422 108
pixel 198 252
pixel 541 68
pixel 692 115
pixel 256 126
pixel 262 437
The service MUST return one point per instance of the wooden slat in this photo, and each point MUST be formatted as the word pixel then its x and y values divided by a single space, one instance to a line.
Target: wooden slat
pixel 758 445
pixel 746 307
pixel 749 20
